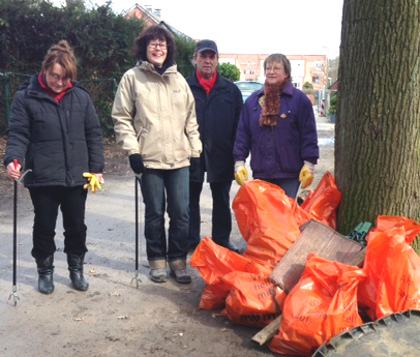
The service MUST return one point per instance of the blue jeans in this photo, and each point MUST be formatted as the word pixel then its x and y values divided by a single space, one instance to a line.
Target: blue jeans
pixel 160 189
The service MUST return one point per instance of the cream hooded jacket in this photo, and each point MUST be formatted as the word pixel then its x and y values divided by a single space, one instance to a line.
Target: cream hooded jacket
pixel 154 115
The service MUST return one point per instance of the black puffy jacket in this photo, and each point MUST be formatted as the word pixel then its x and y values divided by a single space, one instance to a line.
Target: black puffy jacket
pixel 217 116
pixel 59 141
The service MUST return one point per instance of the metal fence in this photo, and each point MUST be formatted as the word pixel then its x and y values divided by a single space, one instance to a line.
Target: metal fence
pixel 102 92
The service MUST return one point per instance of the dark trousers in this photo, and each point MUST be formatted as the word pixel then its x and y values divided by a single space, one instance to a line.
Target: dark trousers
pixel 289 186
pixel 221 213
pixel 46 201
pixel 166 189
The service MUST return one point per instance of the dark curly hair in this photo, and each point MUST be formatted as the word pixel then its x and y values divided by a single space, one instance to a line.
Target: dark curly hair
pixel 151 34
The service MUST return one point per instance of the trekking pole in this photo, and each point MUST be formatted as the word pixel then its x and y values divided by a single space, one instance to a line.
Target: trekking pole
pixel 14 293
pixel 136 277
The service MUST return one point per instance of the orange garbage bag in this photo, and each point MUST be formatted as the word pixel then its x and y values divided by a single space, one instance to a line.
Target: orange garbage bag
pixel 213 262
pixel 254 299
pixel 323 202
pixel 387 223
pixel 214 296
pixel 392 267
pixel 268 220
pixel 322 305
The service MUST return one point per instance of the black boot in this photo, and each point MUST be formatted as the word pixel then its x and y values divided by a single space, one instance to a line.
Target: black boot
pixel 75 262
pixel 45 274
pixel 229 246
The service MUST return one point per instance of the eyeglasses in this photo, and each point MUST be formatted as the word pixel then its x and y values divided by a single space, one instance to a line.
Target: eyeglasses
pixel 57 78
pixel 155 45
pixel 274 69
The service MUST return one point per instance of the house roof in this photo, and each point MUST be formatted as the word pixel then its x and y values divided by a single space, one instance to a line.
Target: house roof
pixel 333 86
pixel 152 18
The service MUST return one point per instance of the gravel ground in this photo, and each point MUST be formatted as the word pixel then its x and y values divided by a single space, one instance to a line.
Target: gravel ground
pixel 115 317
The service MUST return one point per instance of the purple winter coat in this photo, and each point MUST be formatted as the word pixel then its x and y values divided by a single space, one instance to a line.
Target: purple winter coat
pixel 278 152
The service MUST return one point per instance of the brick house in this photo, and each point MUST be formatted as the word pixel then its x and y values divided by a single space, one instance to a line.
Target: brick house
pixel 305 68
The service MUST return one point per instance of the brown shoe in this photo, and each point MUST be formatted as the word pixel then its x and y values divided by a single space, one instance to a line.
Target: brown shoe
pixel 181 276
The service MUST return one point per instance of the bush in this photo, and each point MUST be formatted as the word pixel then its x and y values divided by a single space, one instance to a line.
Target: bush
pixel 308 85
pixel 229 71
pixel 29 27
pixel 333 103
pixel 185 52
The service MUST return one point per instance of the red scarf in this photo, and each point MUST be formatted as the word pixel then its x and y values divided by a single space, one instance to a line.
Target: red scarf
pixel 56 96
pixel 207 85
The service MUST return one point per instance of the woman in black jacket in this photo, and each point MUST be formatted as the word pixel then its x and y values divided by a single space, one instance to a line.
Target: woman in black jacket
pixel 55 132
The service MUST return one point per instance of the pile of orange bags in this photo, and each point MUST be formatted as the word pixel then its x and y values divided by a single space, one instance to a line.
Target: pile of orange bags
pixel 392 267
pixel 269 221
pixel 330 297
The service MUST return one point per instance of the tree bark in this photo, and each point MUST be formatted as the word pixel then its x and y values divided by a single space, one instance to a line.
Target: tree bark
pixel 377 134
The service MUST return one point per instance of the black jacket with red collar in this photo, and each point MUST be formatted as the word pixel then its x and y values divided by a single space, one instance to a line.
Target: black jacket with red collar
pixel 57 141
pixel 217 116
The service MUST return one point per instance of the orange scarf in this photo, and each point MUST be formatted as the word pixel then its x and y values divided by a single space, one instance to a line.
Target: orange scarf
pixel 271 104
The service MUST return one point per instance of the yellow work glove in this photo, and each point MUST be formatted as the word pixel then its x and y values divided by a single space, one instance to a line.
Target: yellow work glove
pixel 307 174
pixel 94 183
pixel 241 173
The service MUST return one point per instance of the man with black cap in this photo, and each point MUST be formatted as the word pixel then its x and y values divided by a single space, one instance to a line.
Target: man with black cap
pixel 218 106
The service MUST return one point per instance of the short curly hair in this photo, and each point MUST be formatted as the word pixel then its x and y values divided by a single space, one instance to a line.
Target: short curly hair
pixel 151 34
pixel 278 57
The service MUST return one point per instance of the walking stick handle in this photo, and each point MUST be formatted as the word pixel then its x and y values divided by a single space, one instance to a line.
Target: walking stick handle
pixel 20 179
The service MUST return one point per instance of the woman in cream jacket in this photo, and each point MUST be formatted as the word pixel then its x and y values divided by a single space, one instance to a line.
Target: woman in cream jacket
pixel 155 122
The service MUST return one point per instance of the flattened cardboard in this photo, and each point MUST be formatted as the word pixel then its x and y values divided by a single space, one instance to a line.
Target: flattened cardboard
pixel 321 240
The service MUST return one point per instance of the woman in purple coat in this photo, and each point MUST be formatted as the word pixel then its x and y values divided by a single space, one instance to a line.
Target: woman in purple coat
pixel 277 126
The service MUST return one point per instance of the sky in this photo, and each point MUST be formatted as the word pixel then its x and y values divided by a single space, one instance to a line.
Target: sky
pixel 291 27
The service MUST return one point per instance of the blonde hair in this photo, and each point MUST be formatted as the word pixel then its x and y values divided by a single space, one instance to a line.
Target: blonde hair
pixel 61 53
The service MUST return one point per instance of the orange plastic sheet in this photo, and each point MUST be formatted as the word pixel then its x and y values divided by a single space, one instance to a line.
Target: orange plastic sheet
pixel 392 267
pixel 254 300
pixel 268 220
pixel 322 305
pixel 323 202
pixel 214 262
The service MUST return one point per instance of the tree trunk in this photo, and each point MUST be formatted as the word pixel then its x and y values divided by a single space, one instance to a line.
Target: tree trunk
pixel 377 134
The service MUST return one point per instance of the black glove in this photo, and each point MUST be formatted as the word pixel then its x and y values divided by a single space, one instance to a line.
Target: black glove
pixel 195 166
pixel 136 163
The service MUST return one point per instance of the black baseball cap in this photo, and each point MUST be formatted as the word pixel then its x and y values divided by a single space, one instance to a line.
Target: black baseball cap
pixel 206 45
